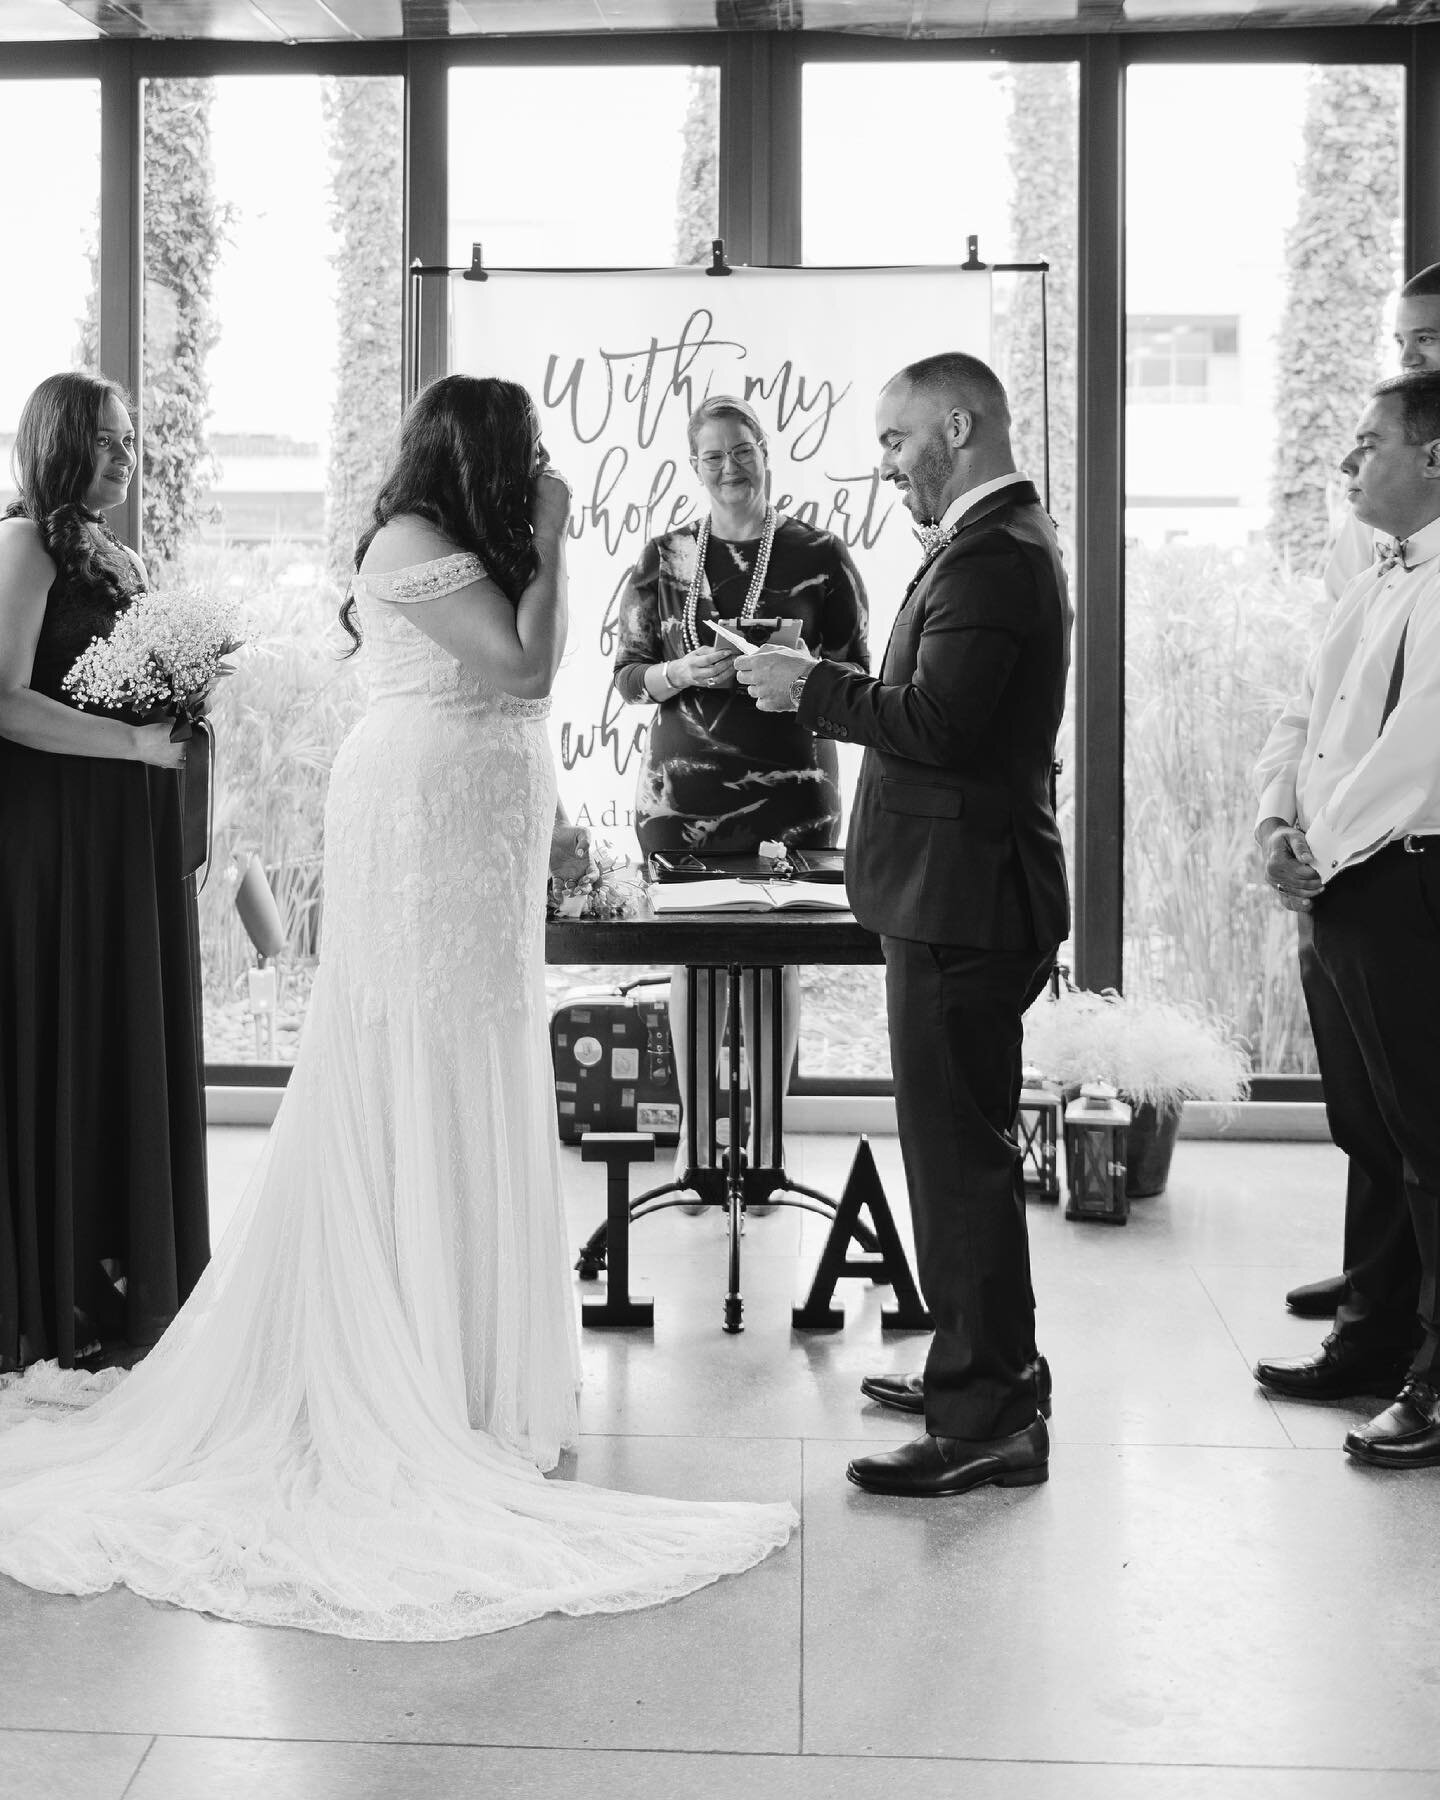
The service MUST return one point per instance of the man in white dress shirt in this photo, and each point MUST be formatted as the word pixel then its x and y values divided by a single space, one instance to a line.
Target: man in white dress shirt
pixel 1350 822
pixel 1417 341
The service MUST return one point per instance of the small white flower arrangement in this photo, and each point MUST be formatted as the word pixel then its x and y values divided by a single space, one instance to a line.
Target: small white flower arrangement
pixel 164 656
pixel 1154 1051
pixel 611 886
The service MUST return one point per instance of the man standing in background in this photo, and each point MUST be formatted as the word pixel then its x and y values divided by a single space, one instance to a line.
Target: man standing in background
pixel 1417 338
pixel 1349 786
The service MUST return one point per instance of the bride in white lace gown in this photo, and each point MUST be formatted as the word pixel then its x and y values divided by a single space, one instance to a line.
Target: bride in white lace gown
pixel 345 1425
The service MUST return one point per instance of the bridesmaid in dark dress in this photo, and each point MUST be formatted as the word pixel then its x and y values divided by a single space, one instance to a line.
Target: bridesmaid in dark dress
pixel 103 1210
pixel 718 774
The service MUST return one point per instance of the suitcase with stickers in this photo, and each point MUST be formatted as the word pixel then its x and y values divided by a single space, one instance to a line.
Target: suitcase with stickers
pixel 614 1064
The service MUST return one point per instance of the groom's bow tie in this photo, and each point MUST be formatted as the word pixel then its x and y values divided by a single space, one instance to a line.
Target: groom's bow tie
pixel 1393 554
pixel 932 540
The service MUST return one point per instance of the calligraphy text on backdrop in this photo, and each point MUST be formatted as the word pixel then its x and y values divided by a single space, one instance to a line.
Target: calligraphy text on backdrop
pixel 618 361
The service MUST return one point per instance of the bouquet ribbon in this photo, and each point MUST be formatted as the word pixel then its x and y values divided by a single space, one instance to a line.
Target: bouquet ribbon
pixel 197 792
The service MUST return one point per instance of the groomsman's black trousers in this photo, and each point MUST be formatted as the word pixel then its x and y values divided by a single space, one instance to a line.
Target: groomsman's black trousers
pixel 955 1052
pixel 1370 965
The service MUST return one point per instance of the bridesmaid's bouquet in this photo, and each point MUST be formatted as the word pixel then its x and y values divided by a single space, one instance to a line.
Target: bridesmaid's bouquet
pixel 610 887
pixel 164 656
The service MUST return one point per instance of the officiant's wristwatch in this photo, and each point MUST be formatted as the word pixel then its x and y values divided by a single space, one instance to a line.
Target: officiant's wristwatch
pixel 797 686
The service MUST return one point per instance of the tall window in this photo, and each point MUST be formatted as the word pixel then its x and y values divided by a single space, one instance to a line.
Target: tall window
pixel 51 232
pixel 599 167
pixel 624 172
pixel 273 292
pixel 1259 277
pixel 1014 190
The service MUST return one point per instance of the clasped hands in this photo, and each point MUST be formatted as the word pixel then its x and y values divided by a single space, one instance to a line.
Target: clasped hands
pixel 1290 867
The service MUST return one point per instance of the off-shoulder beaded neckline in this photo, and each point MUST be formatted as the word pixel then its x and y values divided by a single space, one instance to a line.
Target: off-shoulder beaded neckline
pixel 424 581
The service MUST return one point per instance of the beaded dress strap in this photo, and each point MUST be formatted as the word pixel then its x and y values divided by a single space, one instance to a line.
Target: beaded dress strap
pixel 424 581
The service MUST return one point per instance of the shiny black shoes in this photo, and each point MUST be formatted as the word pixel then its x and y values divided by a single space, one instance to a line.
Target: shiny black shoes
pixel 1337 1371
pixel 1406 1435
pixel 929 1468
pixel 906 1393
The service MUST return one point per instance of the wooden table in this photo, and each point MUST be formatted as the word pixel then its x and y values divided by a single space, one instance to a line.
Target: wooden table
pixel 741 945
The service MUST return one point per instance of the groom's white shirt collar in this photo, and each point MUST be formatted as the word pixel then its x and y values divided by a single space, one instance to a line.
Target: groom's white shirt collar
pixel 962 503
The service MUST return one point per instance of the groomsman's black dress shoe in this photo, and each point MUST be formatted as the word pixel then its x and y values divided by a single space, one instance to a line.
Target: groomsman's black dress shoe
pixel 1335 1372
pixel 1318 1299
pixel 906 1393
pixel 929 1467
pixel 1406 1435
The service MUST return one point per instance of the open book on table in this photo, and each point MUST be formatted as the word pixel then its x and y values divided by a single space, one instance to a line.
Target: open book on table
pixel 716 865
pixel 748 896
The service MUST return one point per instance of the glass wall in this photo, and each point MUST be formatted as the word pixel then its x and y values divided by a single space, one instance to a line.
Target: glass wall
pixel 1014 191
pixel 272 350
pixel 595 168
pixel 48 299
pixel 1259 277
pixel 624 174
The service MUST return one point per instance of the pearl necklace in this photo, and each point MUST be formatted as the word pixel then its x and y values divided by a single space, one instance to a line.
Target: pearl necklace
pixel 689 626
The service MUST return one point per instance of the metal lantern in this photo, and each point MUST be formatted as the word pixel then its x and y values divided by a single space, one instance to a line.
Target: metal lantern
pixel 1097 1126
pixel 1037 1132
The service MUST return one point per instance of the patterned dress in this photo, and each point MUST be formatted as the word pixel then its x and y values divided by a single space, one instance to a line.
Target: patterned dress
pixel 718 774
pixel 341 1429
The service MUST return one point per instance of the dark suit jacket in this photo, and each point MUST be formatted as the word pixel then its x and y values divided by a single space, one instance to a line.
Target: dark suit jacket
pixel 953 839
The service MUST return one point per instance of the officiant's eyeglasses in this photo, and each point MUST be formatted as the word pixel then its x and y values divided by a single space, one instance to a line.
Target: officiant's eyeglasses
pixel 744 456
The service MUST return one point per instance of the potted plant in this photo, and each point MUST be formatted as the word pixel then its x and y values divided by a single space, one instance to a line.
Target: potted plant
pixel 1158 1054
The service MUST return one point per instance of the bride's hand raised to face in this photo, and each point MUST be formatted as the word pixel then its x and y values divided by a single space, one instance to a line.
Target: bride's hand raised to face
pixel 550 504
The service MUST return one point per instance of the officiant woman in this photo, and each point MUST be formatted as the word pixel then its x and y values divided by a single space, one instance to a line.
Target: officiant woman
pixel 103 1218
pixel 718 775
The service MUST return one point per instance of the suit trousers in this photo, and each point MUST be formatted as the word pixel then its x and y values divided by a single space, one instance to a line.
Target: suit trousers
pixel 955 1034
pixel 1370 967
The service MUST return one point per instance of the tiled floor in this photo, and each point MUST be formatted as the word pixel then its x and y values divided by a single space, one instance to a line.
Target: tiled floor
pixel 1207 1599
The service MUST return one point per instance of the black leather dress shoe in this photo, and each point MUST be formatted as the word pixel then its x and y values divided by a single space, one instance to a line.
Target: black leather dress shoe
pixel 1406 1435
pixel 1335 1372
pixel 928 1467
pixel 1318 1299
pixel 906 1393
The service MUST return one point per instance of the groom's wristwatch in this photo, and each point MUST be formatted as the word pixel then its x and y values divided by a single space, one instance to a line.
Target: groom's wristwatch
pixel 797 686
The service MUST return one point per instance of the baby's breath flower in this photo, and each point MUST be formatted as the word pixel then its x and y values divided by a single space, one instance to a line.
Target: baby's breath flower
pixel 164 654
pixel 610 887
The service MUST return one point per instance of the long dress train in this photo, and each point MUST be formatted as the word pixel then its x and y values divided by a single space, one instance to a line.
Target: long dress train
pixel 342 1428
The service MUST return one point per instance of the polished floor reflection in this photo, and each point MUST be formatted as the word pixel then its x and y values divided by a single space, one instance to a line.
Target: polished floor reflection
pixel 1207 1599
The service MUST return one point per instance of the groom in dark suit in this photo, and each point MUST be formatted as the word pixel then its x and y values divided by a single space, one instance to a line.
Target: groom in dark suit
pixel 954 858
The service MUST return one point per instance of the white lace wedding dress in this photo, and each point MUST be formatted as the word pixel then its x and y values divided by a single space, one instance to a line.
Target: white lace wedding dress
pixel 341 1429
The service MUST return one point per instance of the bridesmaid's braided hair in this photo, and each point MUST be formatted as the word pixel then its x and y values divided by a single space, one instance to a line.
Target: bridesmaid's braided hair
pixel 53 463
pixel 465 462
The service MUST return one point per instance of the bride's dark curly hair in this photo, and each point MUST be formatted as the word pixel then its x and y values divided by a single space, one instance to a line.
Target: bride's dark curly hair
pixel 53 463
pixel 466 462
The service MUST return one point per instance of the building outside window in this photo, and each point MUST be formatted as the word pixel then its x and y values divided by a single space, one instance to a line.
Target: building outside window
pixel 1182 361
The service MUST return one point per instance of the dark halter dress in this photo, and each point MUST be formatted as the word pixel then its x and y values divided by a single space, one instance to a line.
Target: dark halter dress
pixel 103 1210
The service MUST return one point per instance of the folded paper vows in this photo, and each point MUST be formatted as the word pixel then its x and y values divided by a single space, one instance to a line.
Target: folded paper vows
pixel 785 636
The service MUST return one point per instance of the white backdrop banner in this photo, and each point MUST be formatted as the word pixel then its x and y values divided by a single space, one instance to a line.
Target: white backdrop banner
pixel 617 361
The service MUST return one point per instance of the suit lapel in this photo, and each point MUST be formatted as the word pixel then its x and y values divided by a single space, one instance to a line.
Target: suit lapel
pixel 1016 493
